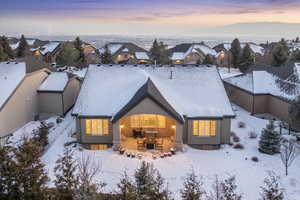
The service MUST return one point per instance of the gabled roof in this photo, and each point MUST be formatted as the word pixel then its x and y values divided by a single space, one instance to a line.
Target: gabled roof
pixel 148 90
pixel 191 91
pixel 227 46
pixel 119 47
pixel 49 48
pixel 179 52
pixel 55 82
pixel 11 75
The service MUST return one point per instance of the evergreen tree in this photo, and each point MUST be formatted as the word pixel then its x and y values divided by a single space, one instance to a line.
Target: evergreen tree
pixel 23 48
pixel 66 181
pixel 78 45
pixel 280 53
pixel 269 142
pixel 106 57
pixel 155 51
pixel 192 188
pixel 68 56
pixel 126 189
pixel 236 52
pixel 208 60
pixel 247 58
pixel 3 56
pixel 9 187
pixel 294 113
pixel 271 190
pixel 297 40
pixel 159 53
pixel 228 190
pixel 32 177
pixel 6 49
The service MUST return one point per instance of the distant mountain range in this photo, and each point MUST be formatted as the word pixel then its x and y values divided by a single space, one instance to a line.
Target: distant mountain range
pixel 268 30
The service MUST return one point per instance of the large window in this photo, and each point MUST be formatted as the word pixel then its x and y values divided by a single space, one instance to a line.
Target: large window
pixel 148 121
pixel 96 126
pixel 204 127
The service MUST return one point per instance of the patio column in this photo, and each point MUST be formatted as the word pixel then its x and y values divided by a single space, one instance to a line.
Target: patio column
pixel 116 136
pixel 179 132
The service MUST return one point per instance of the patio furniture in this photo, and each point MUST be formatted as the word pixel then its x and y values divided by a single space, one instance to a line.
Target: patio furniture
pixel 159 145
pixel 140 144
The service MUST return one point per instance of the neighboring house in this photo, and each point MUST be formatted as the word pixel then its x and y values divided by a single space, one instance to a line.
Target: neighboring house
pixel 266 89
pixel 135 106
pixel 49 51
pixel 88 49
pixel 18 96
pixel 91 54
pixel 127 53
pixel 257 49
pixel 57 94
pixel 190 53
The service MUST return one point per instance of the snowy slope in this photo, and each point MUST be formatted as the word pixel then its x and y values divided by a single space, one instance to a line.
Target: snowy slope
pixel 56 81
pixel 192 91
pixel 11 75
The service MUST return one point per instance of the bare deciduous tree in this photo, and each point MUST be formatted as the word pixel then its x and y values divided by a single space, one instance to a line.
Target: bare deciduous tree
pixel 288 153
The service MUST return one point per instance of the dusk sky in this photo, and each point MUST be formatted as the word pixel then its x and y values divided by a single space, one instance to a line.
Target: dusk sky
pixel 54 17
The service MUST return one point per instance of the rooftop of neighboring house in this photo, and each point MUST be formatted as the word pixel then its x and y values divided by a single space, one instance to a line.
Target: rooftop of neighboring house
pixel 116 48
pixel 283 82
pixel 55 82
pixel 190 91
pixel 11 75
pixel 49 47
pixel 179 52
pixel 227 46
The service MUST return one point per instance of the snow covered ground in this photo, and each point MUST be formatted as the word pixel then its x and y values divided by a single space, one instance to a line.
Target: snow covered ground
pixel 224 162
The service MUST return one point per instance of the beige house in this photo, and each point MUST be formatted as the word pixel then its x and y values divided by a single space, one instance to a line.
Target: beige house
pixel 139 107
pixel 265 92
pixel 190 53
pixel 129 53
pixel 18 99
pixel 58 87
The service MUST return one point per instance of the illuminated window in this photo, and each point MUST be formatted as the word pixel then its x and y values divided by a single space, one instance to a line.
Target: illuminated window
pixel 148 121
pixel 98 146
pixel 96 126
pixel 204 127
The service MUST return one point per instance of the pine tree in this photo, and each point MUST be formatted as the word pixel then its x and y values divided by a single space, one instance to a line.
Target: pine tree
pixel 236 52
pixel 296 55
pixel 159 53
pixel 294 113
pixel 32 178
pixel 280 53
pixel 66 181
pixel 23 48
pixel 208 60
pixel 68 56
pixel 269 142
pixel 192 188
pixel 7 52
pixel 228 190
pixel 106 57
pixel 155 51
pixel 78 45
pixel 247 58
pixel 3 56
pixel 126 189
pixel 272 189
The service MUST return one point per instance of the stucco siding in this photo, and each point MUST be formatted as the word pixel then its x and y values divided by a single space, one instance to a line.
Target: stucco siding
pixel 70 94
pixel 22 107
pixel 260 104
pixel 239 97
pixel 51 103
pixel 279 108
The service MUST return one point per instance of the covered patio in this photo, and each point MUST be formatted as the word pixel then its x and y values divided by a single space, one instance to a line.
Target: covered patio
pixel 148 132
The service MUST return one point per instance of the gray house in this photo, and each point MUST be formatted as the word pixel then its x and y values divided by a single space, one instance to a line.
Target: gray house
pixel 140 107
pixel 57 94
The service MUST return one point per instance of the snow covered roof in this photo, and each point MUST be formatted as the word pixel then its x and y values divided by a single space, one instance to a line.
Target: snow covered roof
pixel 11 75
pixel 55 82
pixel 255 48
pixel 16 45
pixel 50 47
pixel 181 51
pixel 263 82
pixel 141 56
pixel 193 91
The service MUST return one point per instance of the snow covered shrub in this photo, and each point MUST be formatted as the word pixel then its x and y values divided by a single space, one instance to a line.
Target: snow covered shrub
pixel 236 138
pixel 272 189
pixel 254 159
pixel 241 124
pixel 252 135
pixel 269 142
pixel 228 190
pixel 238 146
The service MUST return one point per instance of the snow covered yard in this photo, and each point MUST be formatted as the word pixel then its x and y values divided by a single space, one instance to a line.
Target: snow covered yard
pixel 224 162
